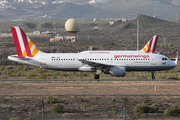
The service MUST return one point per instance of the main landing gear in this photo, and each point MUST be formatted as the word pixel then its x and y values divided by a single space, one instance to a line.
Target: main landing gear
pixel 96 77
pixel 97 74
pixel 153 77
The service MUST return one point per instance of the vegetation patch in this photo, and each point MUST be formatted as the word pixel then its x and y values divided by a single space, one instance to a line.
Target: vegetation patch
pixel 173 112
pixel 30 118
pixel 58 108
pixel 51 99
pixel 15 118
pixel 146 109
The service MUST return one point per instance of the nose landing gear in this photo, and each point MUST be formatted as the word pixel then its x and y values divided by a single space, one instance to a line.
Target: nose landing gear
pixel 153 77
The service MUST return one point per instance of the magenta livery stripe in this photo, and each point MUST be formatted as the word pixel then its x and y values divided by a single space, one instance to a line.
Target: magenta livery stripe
pixel 150 43
pixel 16 41
pixel 154 47
pixel 26 45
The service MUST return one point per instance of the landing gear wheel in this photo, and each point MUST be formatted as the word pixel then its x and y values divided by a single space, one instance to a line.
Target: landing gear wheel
pixel 153 77
pixel 96 77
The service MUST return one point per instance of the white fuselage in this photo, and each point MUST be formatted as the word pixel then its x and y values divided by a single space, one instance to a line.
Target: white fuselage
pixel 130 60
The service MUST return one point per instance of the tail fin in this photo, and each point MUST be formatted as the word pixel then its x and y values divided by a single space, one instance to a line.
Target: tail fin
pixel 176 60
pixel 150 47
pixel 24 46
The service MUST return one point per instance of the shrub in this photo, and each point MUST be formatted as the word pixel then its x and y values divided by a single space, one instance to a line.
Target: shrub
pixel 50 99
pixel 146 109
pixel 155 108
pixel 168 112
pixel 113 100
pixel 15 118
pixel 30 118
pixel 141 108
pixel 57 108
pixel 176 111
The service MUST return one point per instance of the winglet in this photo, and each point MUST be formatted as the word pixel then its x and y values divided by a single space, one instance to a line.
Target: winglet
pixel 150 47
pixel 24 46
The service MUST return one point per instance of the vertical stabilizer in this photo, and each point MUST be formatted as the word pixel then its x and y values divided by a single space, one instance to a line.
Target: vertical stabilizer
pixel 24 46
pixel 150 47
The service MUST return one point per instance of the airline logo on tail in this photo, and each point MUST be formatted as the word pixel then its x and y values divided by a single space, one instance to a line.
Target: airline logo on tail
pixel 150 47
pixel 24 46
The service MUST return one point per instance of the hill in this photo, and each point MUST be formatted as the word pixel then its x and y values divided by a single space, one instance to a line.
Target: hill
pixel 76 9
pixel 111 9
pixel 129 8
pixel 148 26
pixel 68 10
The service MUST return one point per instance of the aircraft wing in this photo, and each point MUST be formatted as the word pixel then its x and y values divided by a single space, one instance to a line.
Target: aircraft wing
pixel 96 64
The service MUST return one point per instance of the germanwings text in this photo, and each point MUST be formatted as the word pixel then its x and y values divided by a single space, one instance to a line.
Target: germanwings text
pixel 131 56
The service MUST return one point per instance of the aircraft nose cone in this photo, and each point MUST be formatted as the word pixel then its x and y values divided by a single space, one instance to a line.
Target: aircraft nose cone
pixel 173 64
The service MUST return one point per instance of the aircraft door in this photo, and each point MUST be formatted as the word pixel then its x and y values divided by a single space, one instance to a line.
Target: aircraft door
pixel 153 60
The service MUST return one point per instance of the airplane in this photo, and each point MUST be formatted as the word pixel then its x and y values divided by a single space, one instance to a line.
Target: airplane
pixel 115 63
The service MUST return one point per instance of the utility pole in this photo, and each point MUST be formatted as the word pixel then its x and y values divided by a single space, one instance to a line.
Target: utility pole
pixel 54 28
pixel 125 112
pixel 137 32
pixel 42 109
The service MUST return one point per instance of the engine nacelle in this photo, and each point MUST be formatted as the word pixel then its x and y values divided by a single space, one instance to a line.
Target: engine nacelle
pixel 117 71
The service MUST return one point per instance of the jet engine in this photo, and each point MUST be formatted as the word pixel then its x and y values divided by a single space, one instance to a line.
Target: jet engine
pixel 117 71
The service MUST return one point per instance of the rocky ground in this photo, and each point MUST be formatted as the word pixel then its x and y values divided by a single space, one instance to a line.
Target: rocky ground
pixel 87 99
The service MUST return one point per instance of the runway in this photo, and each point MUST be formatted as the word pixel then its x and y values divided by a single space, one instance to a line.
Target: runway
pixel 171 80
pixel 89 87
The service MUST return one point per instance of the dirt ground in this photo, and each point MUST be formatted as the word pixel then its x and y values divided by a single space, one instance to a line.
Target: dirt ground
pixel 103 100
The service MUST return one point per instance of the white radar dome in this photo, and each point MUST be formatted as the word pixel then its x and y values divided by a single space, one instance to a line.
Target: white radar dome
pixel 71 25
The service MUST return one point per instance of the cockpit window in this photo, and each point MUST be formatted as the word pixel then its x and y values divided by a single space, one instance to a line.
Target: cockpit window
pixel 164 58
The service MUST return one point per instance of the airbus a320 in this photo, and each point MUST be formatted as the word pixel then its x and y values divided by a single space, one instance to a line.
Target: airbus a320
pixel 115 63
